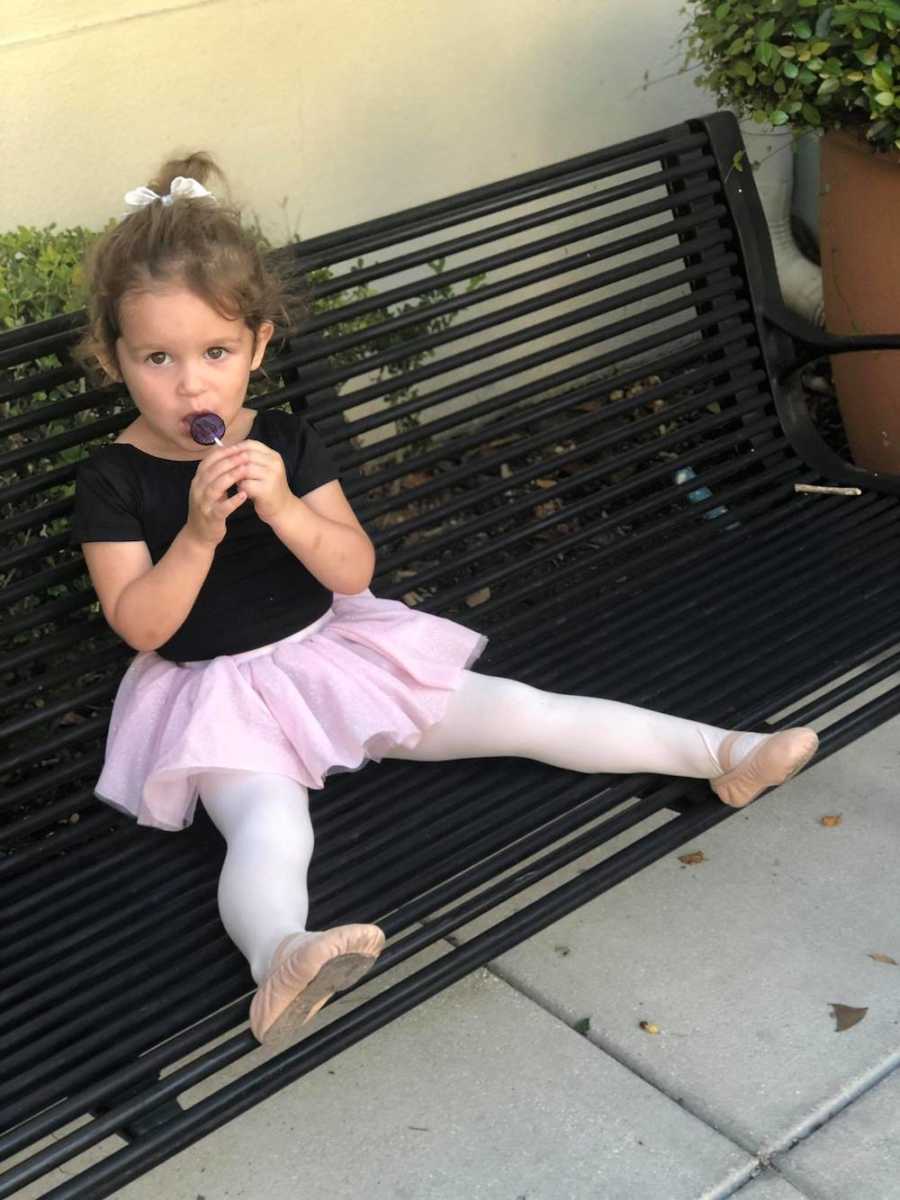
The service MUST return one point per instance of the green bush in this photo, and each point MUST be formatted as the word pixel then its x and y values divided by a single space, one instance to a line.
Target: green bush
pixel 801 62
pixel 40 273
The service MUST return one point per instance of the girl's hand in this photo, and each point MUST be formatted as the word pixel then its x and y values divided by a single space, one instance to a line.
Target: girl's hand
pixel 208 501
pixel 264 480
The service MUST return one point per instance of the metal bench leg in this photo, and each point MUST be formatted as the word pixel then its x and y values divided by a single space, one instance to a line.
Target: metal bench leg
pixel 140 1123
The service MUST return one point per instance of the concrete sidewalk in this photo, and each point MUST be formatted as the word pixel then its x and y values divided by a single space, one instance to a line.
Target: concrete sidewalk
pixel 533 1079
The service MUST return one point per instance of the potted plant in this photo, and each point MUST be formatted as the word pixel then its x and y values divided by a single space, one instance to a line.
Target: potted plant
pixel 832 67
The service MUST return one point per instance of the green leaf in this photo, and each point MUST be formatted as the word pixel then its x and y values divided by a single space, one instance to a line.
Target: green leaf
pixel 765 53
pixel 891 10
pixel 722 11
pixel 787 51
pixel 885 99
pixel 765 29
pixel 882 78
pixel 791 70
pixel 824 22
pixel 780 117
pixel 811 114
pixel 803 29
pixel 868 57
pixel 870 21
pixel 820 47
pixel 759 116
pixel 828 86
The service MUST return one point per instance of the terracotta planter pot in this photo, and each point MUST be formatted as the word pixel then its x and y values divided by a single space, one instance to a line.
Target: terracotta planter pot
pixel 860 249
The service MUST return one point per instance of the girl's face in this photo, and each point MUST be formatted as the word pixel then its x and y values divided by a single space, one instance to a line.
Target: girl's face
pixel 179 357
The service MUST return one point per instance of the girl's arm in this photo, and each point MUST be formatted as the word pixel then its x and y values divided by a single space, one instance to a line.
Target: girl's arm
pixel 143 603
pixel 321 530
pixel 146 604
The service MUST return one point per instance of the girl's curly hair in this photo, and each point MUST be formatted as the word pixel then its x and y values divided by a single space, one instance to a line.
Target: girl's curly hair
pixel 198 243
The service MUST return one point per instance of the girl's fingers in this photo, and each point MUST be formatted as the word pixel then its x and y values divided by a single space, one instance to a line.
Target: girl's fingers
pixel 262 456
pixel 224 468
pixel 231 503
pixel 217 487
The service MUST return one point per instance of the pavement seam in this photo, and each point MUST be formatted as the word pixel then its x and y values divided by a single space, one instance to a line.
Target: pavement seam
pixel 828 1111
pixel 772 1170
pixel 546 1006
pixel 763 1155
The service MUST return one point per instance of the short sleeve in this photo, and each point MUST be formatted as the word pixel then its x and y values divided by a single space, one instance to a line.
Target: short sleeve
pixel 106 508
pixel 314 463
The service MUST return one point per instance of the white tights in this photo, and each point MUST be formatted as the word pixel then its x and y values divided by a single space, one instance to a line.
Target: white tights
pixel 265 818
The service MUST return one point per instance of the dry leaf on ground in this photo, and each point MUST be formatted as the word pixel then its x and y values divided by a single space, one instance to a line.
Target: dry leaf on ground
pixel 417 478
pixel 547 508
pixel 885 958
pixel 846 1017
pixel 72 718
pixel 831 822
pixel 696 856
pixel 478 597
pixel 648 1027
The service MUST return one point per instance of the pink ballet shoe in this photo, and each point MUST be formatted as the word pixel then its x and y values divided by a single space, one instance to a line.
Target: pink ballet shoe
pixel 308 968
pixel 773 761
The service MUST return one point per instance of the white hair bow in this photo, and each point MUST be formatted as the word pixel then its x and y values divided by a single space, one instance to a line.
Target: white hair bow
pixel 180 186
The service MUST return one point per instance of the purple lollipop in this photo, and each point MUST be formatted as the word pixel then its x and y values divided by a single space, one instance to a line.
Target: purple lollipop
pixel 207 428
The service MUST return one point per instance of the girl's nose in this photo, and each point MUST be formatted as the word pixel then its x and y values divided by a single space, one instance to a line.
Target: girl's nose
pixel 190 379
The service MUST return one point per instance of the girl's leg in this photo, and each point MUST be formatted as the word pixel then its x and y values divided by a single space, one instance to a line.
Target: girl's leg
pixel 263 902
pixel 262 887
pixel 490 716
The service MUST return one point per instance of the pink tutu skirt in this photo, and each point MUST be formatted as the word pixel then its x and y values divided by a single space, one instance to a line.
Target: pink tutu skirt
pixel 370 675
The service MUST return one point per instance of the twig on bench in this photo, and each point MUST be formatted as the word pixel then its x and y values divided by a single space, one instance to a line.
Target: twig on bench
pixel 827 491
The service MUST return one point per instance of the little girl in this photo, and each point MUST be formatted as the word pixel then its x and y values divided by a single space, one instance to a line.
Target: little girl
pixel 240 574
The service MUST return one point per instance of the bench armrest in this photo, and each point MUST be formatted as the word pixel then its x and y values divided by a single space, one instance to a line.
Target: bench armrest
pixel 807 343
pixel 788 341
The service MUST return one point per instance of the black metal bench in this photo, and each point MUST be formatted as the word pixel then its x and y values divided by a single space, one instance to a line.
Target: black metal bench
pixel 588 451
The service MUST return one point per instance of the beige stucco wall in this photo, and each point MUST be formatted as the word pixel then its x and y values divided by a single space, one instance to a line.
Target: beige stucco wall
pixel 323 112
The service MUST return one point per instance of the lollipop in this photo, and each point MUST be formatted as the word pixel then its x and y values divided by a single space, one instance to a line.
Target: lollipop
pixel 207 428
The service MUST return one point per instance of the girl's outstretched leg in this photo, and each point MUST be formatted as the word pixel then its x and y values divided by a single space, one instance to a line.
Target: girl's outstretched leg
pixel 490 716
pixel 265 822
pixel 263 902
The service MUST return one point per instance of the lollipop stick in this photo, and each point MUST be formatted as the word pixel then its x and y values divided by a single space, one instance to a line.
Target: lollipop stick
pixel 216 440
